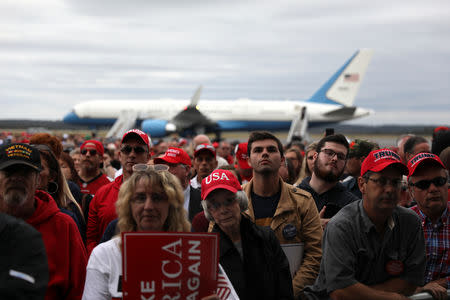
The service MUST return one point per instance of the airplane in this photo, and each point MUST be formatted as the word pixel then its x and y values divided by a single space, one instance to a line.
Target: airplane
pixel 331 103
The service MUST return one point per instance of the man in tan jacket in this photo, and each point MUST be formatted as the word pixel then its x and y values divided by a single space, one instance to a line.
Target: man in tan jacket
pixel 289 211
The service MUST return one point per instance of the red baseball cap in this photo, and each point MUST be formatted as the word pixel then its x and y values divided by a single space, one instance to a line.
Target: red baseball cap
pixel 378 160
pixel 241 155
pixel 414 162
pixel 204 147
pixel 140 134
pixel 220 179
pixel 174 155
pixel 93 144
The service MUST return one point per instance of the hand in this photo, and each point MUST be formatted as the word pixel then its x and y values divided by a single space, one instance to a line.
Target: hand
pixel 323 221
pixel 435 289
pixel 211 297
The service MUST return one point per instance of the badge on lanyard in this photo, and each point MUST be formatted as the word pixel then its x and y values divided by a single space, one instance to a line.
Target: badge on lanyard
pixel 289 232
pixel 394 267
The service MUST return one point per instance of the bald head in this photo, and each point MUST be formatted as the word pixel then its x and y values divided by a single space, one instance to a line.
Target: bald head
pixel 201 139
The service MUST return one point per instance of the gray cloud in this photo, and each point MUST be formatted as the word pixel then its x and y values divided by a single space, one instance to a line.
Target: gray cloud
pixel 54 54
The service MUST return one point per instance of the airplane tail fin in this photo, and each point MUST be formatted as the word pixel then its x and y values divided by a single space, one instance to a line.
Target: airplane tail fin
pixel 343 86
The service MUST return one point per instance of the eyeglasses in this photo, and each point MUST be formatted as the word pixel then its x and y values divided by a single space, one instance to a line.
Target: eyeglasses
pixel 145 167
pixel 383 181
pixel 91 152
pixel 215 206
pixel 330 153
pixel 425 184
pixel 137 149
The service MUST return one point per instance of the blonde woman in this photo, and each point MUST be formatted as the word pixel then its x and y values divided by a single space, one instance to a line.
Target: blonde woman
pixel 150 200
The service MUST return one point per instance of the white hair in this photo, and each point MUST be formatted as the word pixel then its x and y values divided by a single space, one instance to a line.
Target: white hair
pixel 241 197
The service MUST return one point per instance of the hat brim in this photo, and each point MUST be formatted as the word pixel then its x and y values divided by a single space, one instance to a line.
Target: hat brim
pixel 382 166
pixel 219 186
pixel 130 134
pixel 204 150
pixel 165 159
pixel 18 162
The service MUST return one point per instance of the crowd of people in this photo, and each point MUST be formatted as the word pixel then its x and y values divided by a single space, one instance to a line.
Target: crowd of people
pixel 367 221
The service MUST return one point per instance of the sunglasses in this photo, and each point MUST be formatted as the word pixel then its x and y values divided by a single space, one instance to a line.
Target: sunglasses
pixel 145 167
pixel 91 152
pixel 425 184
pixel 127 149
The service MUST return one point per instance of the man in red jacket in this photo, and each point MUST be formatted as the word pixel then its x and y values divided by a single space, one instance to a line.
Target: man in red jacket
pixel 20 165
pixel 135 149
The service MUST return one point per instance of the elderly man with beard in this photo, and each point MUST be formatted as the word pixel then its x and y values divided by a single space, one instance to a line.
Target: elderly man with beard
pixel 329 164
pixel 289 211
pixel 90 172
pixel 20 165
pixel 373 248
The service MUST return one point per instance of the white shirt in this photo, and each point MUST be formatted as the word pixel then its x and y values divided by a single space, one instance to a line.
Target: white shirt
pixel 103 272
pixel 195 184
pixel 187 197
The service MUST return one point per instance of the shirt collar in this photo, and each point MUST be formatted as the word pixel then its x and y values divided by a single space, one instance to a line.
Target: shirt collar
pixel 368 224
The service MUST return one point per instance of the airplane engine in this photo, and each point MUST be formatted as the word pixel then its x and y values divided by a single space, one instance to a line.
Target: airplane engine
pixel 158 128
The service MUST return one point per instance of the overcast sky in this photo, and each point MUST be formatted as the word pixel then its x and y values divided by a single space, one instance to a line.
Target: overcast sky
pixel 56 53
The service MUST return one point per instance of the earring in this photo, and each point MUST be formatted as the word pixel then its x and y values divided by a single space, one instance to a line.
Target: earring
pixel 52 187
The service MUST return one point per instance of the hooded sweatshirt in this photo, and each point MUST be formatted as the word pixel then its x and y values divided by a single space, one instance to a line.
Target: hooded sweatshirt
pixel 67 258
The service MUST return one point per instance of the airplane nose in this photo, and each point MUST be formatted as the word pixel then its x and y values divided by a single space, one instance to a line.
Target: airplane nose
pixel 71 118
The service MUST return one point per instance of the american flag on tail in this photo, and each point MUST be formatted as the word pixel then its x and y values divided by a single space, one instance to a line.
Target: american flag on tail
pixel 354 77
pixel 225 289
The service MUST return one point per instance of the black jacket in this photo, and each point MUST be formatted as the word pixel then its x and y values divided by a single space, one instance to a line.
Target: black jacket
pixel 23 260
pixel 264 273
pixel 335 198
pixel 194 203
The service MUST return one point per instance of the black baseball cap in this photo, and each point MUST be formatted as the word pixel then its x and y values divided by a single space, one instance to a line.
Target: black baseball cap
pixel 20 154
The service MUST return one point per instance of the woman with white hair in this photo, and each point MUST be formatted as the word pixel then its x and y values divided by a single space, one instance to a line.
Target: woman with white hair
pixel 250 255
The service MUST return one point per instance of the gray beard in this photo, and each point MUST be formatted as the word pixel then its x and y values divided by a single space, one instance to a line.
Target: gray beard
pixel 15 197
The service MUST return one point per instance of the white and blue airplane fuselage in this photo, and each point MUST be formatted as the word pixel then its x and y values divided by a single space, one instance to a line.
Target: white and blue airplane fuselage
pixel 332 103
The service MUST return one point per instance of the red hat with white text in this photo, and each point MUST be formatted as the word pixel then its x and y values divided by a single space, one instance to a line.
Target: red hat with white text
pixel 420 158
pixel 204 147
pixel 220 179
pixel 139 134
pixel 174 155
pixel 378 160
pixel 241 156
pixel 93 144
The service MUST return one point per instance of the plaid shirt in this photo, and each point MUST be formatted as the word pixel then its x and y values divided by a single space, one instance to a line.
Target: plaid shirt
pixel 437 239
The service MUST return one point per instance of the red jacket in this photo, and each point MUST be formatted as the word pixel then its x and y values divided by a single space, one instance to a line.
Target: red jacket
pixel 102 210
pixel 66 255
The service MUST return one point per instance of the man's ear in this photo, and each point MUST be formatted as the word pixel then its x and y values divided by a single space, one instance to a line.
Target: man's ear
pixel 362 184
pixel 38 179
pixel 248 161
pixel 283 159
pixel 316 154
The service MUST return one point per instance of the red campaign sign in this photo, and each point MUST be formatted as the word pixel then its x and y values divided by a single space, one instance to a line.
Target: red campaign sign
pixel 169 265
